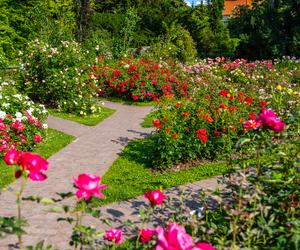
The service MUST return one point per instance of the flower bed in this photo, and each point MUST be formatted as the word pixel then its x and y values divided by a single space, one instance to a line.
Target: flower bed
pixel 22 123
pixel 223 107
pixel 138 79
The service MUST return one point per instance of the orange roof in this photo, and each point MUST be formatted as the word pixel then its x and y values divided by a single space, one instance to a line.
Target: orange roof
pixel 229 5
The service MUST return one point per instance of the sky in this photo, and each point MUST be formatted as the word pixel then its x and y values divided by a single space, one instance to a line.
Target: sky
pixel 192 2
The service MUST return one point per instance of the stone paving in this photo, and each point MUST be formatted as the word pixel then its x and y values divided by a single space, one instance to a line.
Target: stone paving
pixel 94 151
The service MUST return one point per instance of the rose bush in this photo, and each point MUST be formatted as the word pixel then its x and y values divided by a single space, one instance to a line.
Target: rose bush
pixel 22 123
pixel 55 76
pixel 138 79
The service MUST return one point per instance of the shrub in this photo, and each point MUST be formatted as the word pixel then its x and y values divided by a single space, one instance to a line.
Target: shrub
pixel 22 123
pixel 55 76
pixel 138 79
pixel 177 45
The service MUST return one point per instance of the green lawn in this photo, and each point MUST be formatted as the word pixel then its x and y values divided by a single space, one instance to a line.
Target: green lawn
pixel 55 141
pixel 89 120
pixel 131 174
pixel 147 122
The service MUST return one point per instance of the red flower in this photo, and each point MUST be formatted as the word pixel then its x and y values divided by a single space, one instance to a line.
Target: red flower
pixel 248 100
pixel 208 118
pixel 263 104
pixel 224 93
pixel 156 197
pixel 252 116
pixel 216 133
pixel 174 135
pixel 156 123
pixel 202 135
pixel 232 108
pixel 168 130
pixel 146 234
pixel 135 98
pixel 222 106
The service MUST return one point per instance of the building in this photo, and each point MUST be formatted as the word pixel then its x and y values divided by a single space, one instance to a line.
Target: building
pixel 229 6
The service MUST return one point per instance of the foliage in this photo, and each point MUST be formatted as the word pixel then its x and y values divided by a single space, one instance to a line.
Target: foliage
pixel 211 121
pixel 53 76
pixel 263 209
pixel 268 29
pixel 177 43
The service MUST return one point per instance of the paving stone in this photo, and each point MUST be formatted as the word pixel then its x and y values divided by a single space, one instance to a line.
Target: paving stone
pixel 94 150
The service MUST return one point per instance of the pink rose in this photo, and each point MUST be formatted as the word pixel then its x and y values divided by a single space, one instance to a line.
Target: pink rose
pixel 3 145
pixel 203 246
pixel 146 234
pixel 114 235
pixel 88 185
pixel 18 126
pixel 35 165
pixel 174 238
pixel 37 138
pixel 268 117
pixel 12 157
pixel 2 126
pixel 156 197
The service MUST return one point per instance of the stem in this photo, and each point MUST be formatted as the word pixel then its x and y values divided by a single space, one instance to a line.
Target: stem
pixel 19 199
pixel 143 224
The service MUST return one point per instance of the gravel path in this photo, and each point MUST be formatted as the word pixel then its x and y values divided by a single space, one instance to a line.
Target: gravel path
pixel 94 151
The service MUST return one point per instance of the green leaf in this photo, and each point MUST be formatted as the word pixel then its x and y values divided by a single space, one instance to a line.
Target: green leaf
pixel 47 201
pixel 241 142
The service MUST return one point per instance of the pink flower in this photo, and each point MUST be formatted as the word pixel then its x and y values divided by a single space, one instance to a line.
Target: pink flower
pixel 2 126
pixel 18 126
pixel 203 246
pixel 156 197
pixel 268 117
pixel 146 234
pixel 252 124
pixel 12 157
pixel 113 234
pixel 3 145
pixel 174 238
pixel 35 165
pixel 88 185
pixel 37 138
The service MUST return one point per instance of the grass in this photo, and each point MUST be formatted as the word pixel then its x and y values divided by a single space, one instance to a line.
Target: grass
pixel 147 122
pixel 55 141
pixel 131 174
pixel 89 120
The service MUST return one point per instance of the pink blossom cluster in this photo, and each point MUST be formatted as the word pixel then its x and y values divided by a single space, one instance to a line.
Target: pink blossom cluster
pixel 266 118
pixel 32 164
pixel 173 238
pixel 21 134
pixel 88 185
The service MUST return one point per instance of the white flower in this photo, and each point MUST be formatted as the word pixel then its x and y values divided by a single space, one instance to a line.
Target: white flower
pixel 2 114
pixel 45 126
pixel 5 105
pixel 18 115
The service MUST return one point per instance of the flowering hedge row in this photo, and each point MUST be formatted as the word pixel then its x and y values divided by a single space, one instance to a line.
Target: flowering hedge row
pixel 22 123
pixel 138 79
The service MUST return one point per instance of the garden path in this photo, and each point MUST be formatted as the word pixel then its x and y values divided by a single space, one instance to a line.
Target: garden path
pixel 94 151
